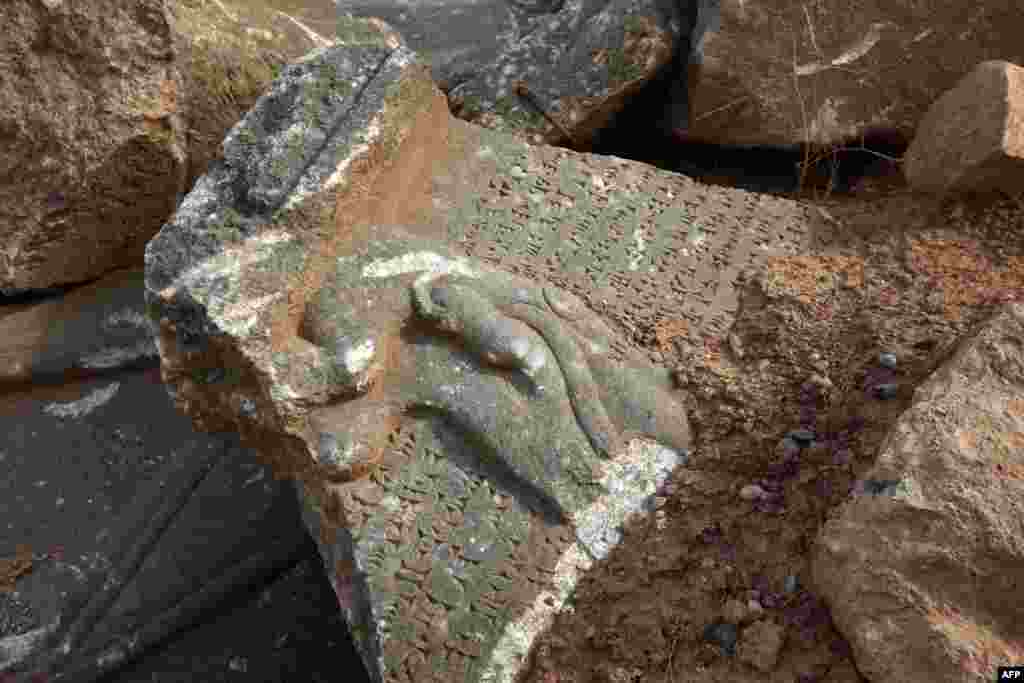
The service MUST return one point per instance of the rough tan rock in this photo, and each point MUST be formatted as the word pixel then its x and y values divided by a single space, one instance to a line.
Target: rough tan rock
pixel 760 645
pixel 922 569
pixel 972 138
pixel 778 71
pixel 110 110
pixel 734 611
pixel 94 153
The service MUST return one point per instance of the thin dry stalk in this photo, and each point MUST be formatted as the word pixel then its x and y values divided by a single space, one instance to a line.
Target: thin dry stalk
pixel 806 163
pixel 727 105
pixel 669 671
pixel 226 11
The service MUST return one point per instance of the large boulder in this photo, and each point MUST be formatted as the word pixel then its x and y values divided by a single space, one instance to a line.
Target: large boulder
pixel 116 510
pixel 90 109
pixel 124 527
pixel 922 567
pixel 356 290
pixel 972 138
pixel 109 112
pixel 777 71
pixel 580 62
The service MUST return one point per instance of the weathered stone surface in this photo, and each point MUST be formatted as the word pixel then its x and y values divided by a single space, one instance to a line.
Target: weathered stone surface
pixel 121 510
pixel 90 109
pixel 546 435
pixel 95 328
pixel 314 293
pixel 456 38
pixel 760 644
pixel 580 61
pixel 922 568
pixel 110 110
pixel 972 138
pixel 777 71
pixel 227 55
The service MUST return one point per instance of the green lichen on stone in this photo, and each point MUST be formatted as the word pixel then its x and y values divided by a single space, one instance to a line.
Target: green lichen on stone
pixel 472 106
pixel 246 135
pixel 326 82
pixel 403 100
pixel 228 226
pixel 355 31
pixel 459 586
pixel 294 146
pixel 154 309
pixel 229 376
pixel 622 69
pixel 328 375
pixel 633 24
pixel 280 361
pixel 288 258
pixel 515 117
pixel 231 64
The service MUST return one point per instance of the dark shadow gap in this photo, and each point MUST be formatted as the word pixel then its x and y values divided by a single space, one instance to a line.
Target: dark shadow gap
pixel 643 131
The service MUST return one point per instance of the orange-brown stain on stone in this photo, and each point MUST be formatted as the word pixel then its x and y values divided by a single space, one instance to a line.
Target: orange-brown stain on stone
pixel 384 188
pixel 965 275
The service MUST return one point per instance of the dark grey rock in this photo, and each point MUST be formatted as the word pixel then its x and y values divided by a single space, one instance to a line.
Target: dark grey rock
pixel 887 360
pixel 723 634
pixel 886 391
pixel 140 528
pixel 801 436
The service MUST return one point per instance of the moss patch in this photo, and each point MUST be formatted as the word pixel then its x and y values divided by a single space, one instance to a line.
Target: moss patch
pixel 403 99
pixel 354 31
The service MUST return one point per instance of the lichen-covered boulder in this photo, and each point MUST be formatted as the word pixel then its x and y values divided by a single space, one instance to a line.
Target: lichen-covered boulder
pixel 561 74
pixel 465 441
pixel 922 567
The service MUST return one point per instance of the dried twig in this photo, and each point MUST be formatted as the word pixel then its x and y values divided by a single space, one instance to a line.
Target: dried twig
pixel 313 36
pixel 803 115
pixel 669 672
pixel 225 10
pixel 810 30
pixel 727 105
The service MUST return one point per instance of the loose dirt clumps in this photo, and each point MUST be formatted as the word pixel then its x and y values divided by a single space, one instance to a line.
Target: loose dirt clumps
pixel 789 408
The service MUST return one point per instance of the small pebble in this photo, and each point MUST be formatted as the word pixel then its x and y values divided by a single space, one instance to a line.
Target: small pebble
pixel 887 360
pixel 886 391
pixel 735 345
pixel 752 492
pixel 722 634
pixel 790 447
pixel 801 435
pixel 817 382
pixel 734 612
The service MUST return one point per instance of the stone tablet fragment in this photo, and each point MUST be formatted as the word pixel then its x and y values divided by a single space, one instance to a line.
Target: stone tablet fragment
pixel 356 290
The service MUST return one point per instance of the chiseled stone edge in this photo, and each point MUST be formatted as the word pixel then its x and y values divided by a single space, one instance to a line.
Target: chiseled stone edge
pixel 631 480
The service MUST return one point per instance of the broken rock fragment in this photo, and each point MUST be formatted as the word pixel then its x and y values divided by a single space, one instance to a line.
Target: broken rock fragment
pixel 465 441
pixel 921 568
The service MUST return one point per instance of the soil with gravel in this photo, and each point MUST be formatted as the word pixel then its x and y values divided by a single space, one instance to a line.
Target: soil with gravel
pixel 790 407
